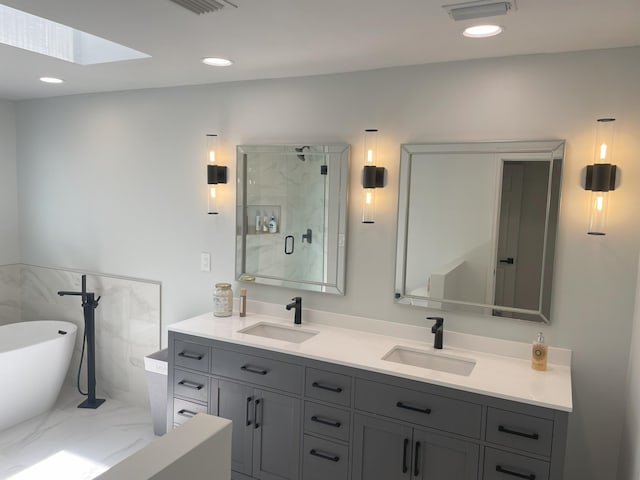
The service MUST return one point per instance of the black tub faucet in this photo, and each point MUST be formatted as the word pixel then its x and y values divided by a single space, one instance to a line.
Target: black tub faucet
pixel 438 330
pixel 297 305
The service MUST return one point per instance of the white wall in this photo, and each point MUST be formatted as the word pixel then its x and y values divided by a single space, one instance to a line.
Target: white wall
pixel 630 446
pixel 9 250
pixel 115 183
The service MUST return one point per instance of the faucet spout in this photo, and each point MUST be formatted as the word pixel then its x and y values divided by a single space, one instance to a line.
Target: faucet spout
pixel 297 305
pixel 437 329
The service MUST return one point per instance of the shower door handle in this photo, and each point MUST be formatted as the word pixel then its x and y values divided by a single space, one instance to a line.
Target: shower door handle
pixel 289 247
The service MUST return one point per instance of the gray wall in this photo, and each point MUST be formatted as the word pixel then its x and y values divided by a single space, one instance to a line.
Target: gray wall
pixel 9 250
pixel 115 183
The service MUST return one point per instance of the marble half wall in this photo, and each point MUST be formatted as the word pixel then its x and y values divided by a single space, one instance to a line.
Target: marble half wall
pixel 10 306
pixel 127 323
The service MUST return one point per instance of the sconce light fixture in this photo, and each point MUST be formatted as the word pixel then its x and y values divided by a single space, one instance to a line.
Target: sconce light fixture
pixel 372 176
pixel 601 176
pixel 215 173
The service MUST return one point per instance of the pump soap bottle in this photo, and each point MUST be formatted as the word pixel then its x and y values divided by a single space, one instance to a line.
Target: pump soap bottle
pixel 539 352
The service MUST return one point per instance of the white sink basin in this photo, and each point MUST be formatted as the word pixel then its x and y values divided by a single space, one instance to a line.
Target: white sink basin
pixel 431 360
pixel 279 332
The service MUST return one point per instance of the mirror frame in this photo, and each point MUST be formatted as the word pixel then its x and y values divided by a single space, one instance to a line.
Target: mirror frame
pixel 554 151
pixel 334 285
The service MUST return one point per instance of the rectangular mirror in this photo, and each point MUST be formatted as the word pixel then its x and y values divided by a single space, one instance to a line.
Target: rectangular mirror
pixel 301 190
pixel 477 227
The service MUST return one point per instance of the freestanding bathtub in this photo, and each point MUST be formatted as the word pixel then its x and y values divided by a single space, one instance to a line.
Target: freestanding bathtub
pixel 34 359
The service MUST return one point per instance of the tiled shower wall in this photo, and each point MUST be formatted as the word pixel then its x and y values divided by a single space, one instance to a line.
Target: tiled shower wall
pixel 127 322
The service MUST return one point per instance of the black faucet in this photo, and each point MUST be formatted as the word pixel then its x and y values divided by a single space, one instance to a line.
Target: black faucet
pixel 89 305
pixel 297 304
pixel 437 329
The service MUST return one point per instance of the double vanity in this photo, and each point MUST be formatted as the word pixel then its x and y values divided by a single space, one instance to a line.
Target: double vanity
pixel 318 401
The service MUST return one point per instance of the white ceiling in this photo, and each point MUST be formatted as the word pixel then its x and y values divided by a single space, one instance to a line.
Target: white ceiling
pixel 285 38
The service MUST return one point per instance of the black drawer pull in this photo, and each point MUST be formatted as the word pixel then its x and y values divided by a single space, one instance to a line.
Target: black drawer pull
pixel 426 411
pixel 532 436
pixel 326 456
pixel 188 384
pixel 246 413
pixel 326 421
pixel 531 476
pixel 416 464
pixel 326 387
pixel 404 456
pixel 190 355
pixel 186 413
pixel 256 370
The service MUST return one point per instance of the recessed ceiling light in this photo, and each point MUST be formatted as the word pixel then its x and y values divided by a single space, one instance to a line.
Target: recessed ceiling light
pixel 51 80
pixel 217 62
pixel 482 31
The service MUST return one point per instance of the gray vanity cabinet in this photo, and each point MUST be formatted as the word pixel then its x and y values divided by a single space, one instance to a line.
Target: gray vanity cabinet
pixel 385 450
pixel 296 418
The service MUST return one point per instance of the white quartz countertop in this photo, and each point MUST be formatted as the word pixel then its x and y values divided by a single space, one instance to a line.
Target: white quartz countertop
pixel 502 368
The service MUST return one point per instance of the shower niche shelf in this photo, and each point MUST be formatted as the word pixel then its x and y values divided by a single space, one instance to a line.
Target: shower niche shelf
pixel 263 211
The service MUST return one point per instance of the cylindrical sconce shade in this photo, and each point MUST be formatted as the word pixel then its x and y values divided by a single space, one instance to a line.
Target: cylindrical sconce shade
pixel 369 205
pixel 212 205
pixel 369 175
pixel 601 176
pixel 598 213
pixel 370 147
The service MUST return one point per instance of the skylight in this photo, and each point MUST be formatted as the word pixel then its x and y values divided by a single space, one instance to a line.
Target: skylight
pixel 36 34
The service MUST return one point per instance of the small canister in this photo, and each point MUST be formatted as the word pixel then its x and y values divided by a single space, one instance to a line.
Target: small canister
pixel 223 300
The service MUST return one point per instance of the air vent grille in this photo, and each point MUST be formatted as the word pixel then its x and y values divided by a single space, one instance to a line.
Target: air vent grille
pixel 204 6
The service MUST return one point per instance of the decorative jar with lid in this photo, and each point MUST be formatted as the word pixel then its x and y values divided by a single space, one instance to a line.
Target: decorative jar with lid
pixel 223 300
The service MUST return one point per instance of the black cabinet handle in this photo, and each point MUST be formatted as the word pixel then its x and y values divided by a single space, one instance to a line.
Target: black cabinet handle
pixel 508 260
pixel 326 387
pixel 416 460
pixel 186 413
pixel 326 421
pixel 326 456
pixel 532 436
pixel 246 413
pixel 531 476
pixel 255 413
pixel 426 411
pixel 404 456
pixel 193 385
pixel 256 370
pixel 190 355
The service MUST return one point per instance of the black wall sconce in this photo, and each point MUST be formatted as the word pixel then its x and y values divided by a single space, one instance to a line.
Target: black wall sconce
pixel 216 174
pixel 372 176
pixel 601 176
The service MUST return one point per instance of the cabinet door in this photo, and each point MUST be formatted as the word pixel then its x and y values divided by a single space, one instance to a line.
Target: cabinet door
pixel 437 457
pixel 381 450
pixel 235 402
pixel 276 436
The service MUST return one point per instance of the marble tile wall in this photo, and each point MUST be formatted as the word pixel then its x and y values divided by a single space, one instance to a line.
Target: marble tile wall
pixel 10 307
pixel 127 322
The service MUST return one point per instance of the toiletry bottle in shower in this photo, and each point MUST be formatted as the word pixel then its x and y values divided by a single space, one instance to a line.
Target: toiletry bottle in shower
pixel 258 223
pixel 265 224
pixel 539 352
pixel 273 225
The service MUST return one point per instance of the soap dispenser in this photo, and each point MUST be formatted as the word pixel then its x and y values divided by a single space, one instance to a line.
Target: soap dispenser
pixel 539 352
pixel 273 225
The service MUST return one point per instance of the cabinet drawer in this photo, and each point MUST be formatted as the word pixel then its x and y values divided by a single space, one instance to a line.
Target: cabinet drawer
pixel 519 431
pixel 323 460
pixel 184 410
pixel 191 385
pixel 330 421
pixel 434 411
pixel 191 355
pixel 499 465
pixel 328 386
pixel 257 370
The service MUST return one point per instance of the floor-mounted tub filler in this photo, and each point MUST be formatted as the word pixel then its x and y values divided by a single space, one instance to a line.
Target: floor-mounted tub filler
pixel 34 359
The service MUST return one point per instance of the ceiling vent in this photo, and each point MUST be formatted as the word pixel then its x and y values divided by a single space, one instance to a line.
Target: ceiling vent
pixel 478 9
pixel 204 6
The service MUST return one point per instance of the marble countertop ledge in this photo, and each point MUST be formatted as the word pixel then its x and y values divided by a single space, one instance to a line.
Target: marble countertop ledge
pixel 502 369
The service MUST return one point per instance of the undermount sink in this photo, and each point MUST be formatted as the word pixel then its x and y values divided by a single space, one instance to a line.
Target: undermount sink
pixel 279 332
pixel 432 361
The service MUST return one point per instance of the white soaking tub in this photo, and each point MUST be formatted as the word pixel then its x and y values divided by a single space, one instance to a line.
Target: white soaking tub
pixel 34 359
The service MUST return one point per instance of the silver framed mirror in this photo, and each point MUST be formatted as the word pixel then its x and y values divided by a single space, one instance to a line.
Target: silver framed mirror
pixel 292 216
pixel 477 227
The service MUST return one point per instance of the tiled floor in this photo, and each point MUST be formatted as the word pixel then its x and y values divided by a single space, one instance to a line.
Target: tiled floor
pixel 73 444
